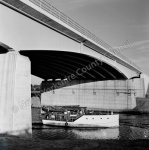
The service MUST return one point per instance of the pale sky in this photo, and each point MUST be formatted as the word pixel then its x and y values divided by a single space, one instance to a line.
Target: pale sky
pixel 117 22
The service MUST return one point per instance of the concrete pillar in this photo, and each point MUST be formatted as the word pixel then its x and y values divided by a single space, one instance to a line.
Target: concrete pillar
pixel 146 83
pixel 15 94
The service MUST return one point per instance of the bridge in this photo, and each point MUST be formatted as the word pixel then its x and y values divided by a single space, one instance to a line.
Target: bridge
pixel 77 66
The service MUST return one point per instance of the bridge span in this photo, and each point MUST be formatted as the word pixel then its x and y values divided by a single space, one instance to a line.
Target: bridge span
pixel 78 68
pixel 44 29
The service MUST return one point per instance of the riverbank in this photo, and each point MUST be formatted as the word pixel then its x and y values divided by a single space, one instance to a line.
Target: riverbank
pixel 13 143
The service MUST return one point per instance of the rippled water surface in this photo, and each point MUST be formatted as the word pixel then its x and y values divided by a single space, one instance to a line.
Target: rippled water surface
pixel 131 127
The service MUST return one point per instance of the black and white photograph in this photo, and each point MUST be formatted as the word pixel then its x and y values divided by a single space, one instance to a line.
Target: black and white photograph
pixel 74 74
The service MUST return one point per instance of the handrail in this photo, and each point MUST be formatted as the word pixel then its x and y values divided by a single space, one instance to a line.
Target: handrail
pixel 59 15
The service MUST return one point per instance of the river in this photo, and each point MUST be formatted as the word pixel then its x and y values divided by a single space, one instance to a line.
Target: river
pixel 131 127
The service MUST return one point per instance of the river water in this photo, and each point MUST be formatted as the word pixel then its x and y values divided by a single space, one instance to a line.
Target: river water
pixel 131 127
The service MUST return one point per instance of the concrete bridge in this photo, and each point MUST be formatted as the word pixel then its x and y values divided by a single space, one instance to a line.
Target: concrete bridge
pixel 78 67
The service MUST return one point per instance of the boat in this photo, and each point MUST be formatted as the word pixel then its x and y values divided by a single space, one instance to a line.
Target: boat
pixel 79 117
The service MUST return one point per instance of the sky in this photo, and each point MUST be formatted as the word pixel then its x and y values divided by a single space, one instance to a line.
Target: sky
pixel 123 24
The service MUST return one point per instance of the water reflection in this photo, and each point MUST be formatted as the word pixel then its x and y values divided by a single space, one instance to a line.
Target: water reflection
pixel 141 121
pixel 47 132
pixel 134 126
pixel 109 133
pixel 130 132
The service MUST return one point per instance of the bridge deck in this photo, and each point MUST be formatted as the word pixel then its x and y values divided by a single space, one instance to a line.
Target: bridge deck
pixel 78 33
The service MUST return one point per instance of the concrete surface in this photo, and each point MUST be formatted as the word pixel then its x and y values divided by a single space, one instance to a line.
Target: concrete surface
pixel 118 94
pixel 146 83
pixel 15 94
pixel 142 105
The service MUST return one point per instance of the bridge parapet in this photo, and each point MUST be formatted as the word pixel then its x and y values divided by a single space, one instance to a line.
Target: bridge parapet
pixel 43 4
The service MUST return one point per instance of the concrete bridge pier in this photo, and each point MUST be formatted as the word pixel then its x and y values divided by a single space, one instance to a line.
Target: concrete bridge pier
pixel 15 95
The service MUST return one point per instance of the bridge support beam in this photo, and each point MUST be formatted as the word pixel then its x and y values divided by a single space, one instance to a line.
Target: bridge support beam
pixel 15 95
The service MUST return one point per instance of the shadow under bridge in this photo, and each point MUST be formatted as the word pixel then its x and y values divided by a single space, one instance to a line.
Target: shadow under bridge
pixel 69 65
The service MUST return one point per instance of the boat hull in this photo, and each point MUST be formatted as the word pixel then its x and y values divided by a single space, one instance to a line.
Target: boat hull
pixel 87 121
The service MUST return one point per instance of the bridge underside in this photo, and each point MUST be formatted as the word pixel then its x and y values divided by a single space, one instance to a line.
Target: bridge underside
pixel 60 65
pixel 3 48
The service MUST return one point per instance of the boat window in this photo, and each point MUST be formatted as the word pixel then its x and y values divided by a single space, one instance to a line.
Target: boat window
pixel 92 118
pixel 100 118
pixel 86 118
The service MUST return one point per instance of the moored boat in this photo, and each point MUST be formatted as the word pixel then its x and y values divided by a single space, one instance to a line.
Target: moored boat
pixel 69 118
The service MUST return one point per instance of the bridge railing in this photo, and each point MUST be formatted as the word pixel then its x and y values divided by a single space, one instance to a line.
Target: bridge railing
pixel 59 15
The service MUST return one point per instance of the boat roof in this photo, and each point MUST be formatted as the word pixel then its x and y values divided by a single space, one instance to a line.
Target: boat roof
pixel 64 108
